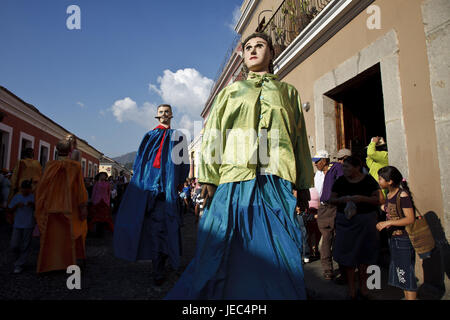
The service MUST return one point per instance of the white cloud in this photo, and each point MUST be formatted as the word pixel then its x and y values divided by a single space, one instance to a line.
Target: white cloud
pixel 236 16
pixel 186 122
pixel 128 110
pixel 185 90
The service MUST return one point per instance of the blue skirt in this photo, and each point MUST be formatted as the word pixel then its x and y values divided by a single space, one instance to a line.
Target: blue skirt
pixel 403 261
pixel 357 240
pixel 249 245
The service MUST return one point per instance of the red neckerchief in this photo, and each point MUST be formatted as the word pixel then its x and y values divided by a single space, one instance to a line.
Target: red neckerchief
pixel 157 161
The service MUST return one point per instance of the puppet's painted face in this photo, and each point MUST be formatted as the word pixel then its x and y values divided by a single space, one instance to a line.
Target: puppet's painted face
pixel 164 115
pixel 257 55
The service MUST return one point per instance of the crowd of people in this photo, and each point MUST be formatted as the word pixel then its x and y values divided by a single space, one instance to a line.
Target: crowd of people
pixel 191 197
pixel 57 205
pixel 353 212
pixel 258 222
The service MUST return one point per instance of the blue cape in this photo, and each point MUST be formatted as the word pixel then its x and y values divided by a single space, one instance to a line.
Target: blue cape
pixel 140 198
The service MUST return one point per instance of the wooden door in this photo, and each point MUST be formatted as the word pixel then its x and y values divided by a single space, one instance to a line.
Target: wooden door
pixel 340 128
pixel 350 132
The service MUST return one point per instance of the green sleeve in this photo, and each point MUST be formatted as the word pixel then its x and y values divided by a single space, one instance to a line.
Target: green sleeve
pixel 211 142
pixel 377 156
pixel 305 171
pixel 369 162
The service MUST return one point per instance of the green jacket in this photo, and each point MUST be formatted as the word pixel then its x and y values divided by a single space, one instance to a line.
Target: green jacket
pixel 255 123
pixel 376 160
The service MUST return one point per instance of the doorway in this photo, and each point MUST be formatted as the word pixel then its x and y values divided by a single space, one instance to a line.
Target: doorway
pixel 359 111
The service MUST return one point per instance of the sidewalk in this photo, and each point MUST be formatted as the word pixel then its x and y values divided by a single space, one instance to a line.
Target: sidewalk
pixel 320 289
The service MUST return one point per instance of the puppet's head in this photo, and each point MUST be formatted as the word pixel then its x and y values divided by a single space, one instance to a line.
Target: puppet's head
pixel 164 114
pixel 258 53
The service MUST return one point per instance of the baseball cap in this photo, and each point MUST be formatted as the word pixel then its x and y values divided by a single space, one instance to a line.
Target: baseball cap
pixel 321 154
pixel 343 152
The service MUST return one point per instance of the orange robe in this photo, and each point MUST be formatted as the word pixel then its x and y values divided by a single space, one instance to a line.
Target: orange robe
pixel 59 195
pixel 25 169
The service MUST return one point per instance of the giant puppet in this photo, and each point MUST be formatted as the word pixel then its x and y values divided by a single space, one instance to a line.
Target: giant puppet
pixel 147 226
pixel 61 211
pixel 254 153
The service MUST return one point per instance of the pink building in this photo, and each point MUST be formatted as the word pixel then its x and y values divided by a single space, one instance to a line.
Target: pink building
pixel 24 126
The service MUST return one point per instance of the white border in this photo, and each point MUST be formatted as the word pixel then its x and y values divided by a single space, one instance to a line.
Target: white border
pixel 54 153
pixel 27 137
pixel 10 130
pixel 45 144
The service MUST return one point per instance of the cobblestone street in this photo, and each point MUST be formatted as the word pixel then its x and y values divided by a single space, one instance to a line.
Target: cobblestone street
pixel 105 277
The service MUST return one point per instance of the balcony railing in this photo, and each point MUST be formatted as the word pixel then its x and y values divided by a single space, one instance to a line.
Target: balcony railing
pixel 225 60
pixel 290 19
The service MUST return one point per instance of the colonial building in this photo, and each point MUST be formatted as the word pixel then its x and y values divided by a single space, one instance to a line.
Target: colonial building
pixel 113 168
pixel 366 68
pixel 369 68
pixel 24 126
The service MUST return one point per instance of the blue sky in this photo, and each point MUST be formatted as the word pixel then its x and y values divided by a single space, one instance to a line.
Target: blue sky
pixel 103 82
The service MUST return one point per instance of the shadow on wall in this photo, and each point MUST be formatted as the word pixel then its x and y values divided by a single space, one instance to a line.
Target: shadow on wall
pixel 435 267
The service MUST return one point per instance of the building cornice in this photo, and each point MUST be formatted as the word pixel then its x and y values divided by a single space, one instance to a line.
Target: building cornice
pixel 246 14
pixel 335 16
pixel 23 112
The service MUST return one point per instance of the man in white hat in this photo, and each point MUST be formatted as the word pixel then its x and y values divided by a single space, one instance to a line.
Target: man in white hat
pixel 327 173
pixel 321 161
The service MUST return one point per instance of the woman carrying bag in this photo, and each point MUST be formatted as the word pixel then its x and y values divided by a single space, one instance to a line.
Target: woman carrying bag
pixel 403 256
